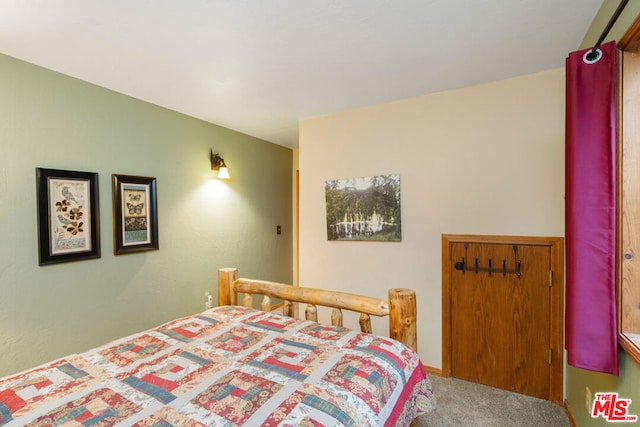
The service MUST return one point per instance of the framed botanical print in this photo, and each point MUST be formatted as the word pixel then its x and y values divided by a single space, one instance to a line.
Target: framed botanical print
pixel 68 215
pixel 135 214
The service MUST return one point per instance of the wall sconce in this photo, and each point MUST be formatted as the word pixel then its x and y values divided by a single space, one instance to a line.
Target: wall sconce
pixel 218 164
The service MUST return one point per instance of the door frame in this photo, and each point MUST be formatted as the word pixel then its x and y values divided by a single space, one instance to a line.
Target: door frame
pixel 556 303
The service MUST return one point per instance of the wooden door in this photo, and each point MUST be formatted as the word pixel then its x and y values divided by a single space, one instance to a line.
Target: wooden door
pixel 501 311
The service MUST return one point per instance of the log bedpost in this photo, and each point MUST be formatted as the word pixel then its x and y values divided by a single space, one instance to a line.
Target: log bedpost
pixel 365 323
pixel 311 313
pixel 226 277
pixel 265 305
pixel 336 317
pixel 287 309
pixel 247 300
pixel 402 316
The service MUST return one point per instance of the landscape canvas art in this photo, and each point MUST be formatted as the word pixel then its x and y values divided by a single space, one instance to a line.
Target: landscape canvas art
pixel 362 209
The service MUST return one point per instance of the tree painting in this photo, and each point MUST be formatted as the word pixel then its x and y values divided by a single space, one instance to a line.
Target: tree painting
pixel 364 208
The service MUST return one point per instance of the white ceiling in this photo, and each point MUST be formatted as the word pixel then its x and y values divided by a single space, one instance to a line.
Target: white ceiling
pixel 260 66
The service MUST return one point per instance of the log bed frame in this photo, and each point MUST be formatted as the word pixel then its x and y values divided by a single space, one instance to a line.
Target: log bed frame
pixel 401 307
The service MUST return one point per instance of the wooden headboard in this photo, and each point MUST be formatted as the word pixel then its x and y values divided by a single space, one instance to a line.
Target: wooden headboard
pixel 401 307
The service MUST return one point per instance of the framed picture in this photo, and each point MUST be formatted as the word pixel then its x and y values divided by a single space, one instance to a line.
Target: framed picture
pixel 364 209
pixel 135 214
pixel 68 215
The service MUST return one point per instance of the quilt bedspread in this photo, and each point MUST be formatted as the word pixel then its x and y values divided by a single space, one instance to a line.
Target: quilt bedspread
pixel 226 366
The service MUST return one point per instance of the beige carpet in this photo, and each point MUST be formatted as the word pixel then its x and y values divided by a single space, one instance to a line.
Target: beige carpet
pixel 462 403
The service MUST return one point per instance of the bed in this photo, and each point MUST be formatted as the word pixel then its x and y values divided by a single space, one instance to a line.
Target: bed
pixel 238 365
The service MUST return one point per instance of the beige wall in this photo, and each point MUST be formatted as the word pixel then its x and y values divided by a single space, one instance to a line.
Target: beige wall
pixel 487 159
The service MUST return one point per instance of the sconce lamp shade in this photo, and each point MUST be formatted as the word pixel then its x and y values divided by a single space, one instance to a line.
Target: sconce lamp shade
pixel 218 164
pixel 223 173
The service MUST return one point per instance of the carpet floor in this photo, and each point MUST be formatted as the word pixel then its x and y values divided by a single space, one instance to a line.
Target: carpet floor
pixel 463 403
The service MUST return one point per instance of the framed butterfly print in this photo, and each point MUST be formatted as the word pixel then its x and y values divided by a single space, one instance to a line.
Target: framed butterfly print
pixel 135 214
pixel 68 216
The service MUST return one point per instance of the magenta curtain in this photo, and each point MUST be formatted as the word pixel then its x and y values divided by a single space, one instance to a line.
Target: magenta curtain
pixel 590 209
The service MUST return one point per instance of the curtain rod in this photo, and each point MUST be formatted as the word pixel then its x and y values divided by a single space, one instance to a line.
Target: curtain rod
pixel 594 54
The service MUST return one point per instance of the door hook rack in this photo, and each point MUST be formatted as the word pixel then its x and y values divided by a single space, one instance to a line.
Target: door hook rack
pixel 462 266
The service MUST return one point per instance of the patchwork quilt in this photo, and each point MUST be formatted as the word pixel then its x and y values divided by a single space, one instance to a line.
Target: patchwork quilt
pixel 226 366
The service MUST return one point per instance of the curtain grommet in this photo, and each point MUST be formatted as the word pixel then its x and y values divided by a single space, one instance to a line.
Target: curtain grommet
pixel 598 55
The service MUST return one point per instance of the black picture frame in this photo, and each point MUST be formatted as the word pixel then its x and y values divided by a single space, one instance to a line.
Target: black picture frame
pixel 135 214
pixel 68 216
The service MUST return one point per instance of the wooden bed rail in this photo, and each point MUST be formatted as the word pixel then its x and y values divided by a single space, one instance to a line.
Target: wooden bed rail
pixel 401 307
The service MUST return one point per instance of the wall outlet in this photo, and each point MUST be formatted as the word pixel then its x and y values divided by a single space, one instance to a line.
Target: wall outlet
pixel 209 301
pixel 587 400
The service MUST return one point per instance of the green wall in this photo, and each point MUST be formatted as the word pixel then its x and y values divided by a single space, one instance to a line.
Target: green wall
pixel 627 384
pixel 53 121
